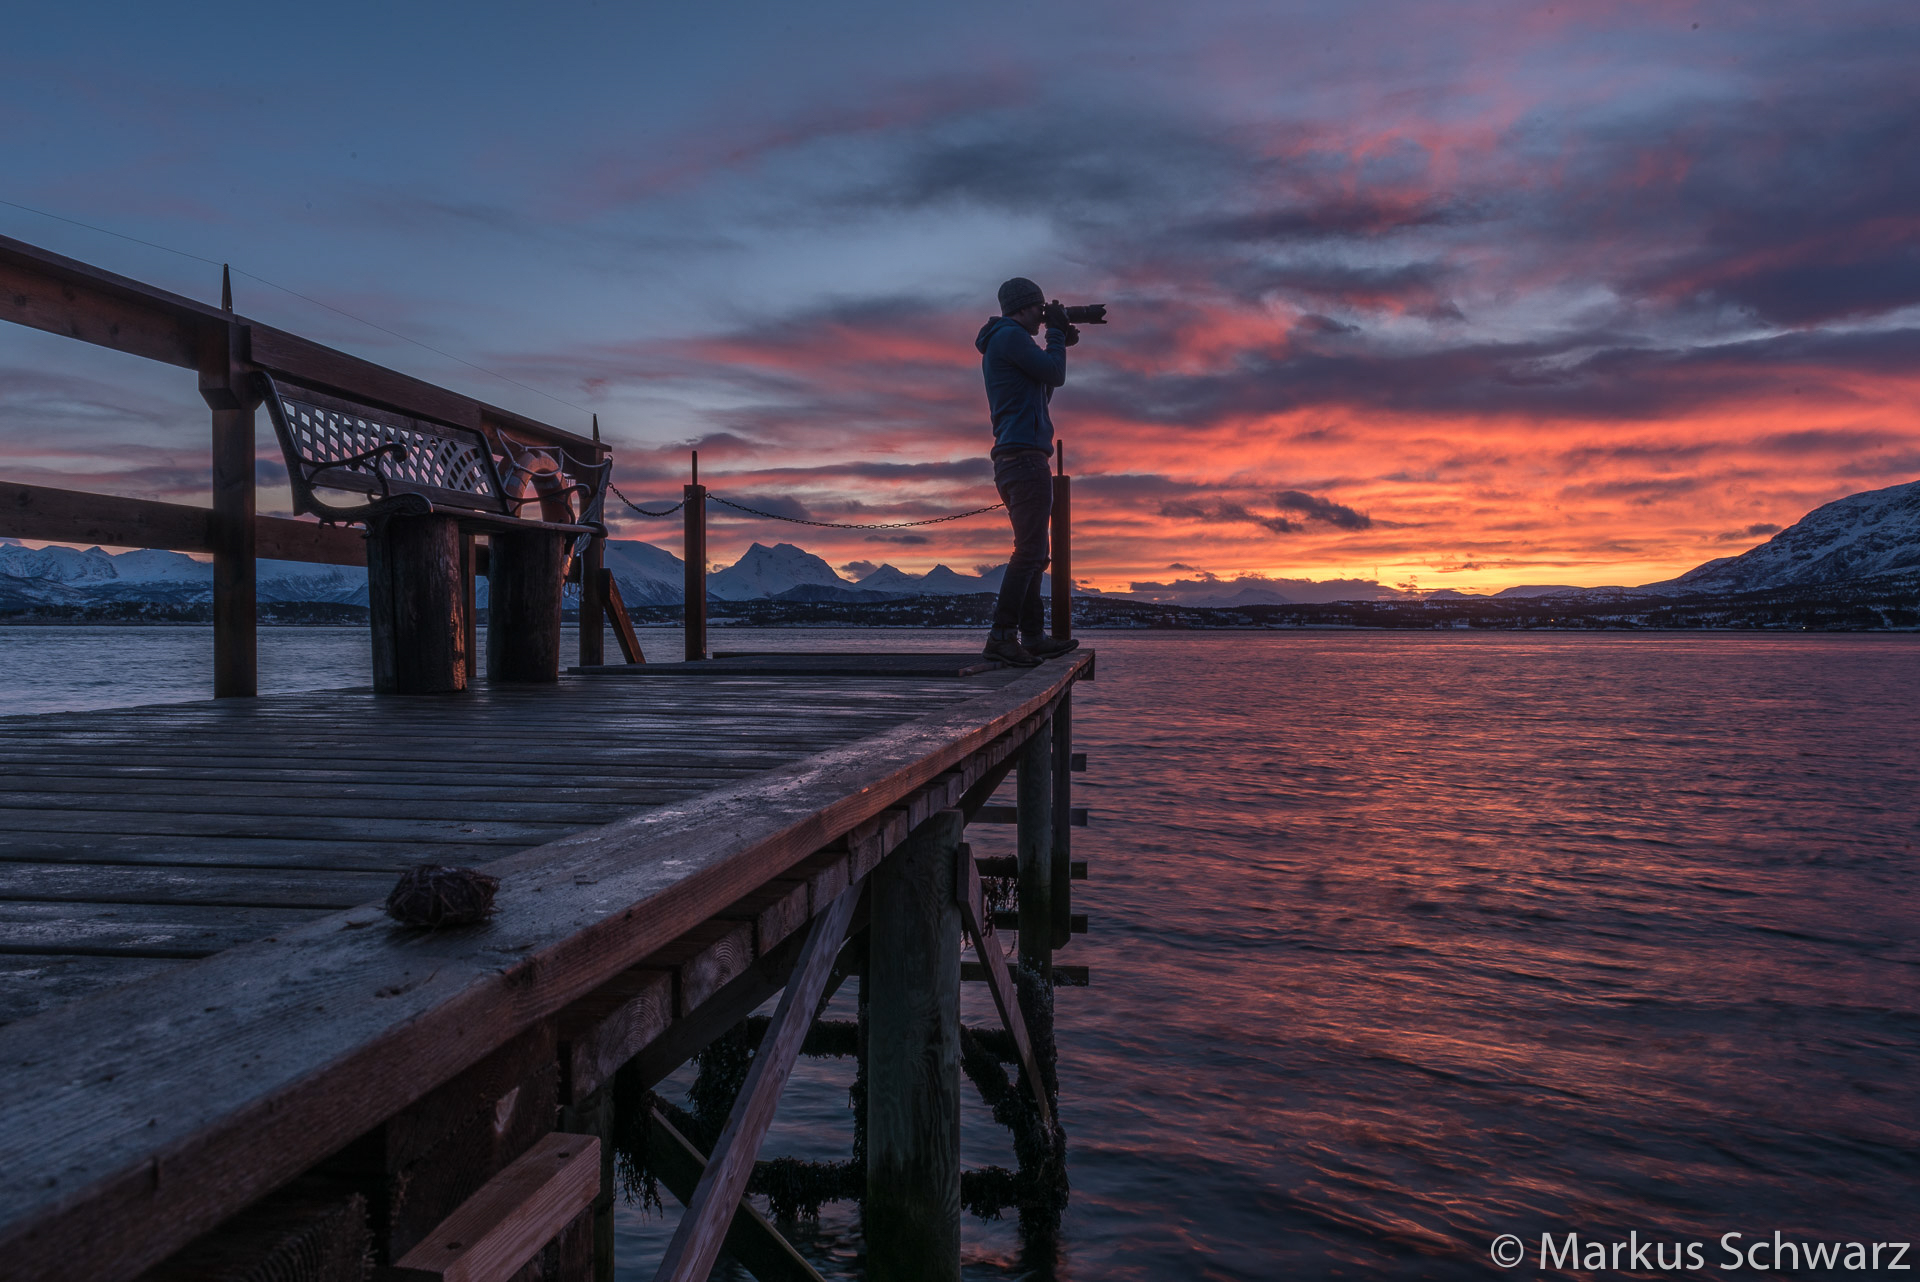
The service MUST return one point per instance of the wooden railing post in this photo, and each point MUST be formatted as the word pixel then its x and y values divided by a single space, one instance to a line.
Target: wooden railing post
pixel 695 498
pixel 226 387
pixel 593 601
pixel 1062 544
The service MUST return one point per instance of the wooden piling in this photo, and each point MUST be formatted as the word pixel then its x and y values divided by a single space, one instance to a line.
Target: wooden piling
pixel 912 1214
pixel 417 605
pixel 1060 878
pixel 523 605
pixel 1062 544
pixel 1033 782
pixel 593 603
pixel 694 553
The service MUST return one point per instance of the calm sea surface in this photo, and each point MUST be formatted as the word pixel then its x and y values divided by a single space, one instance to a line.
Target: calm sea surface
pixel 1401 942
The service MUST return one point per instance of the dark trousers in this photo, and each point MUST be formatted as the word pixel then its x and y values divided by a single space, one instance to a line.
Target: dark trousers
pixel 1026 487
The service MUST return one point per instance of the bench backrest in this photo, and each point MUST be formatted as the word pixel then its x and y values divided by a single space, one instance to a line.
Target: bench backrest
pixel 337 444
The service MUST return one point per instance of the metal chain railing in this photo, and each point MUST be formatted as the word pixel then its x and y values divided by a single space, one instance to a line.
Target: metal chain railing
pixel 640 511
pixel 840 525
pixel 800 520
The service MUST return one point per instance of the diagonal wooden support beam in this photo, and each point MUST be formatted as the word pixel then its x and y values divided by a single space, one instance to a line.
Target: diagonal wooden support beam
pixel 973 914
pixel 616 608
pixel 703 1229
pixel 756 1244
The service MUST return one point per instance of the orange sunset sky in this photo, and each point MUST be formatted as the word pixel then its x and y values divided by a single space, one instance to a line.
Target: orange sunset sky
pixel 1463 296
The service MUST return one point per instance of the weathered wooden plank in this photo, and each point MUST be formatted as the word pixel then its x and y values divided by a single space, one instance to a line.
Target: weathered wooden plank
pixel 243 852
pixel 36 791
pixel 30 984
pixel 703 960
pixel 172 884
pixel 521 833
pixel 570 916
pixel 296 812
pixel 64 296
pixel 775 911
pixel 612 1024
pixel 138 930
pixel 514 1214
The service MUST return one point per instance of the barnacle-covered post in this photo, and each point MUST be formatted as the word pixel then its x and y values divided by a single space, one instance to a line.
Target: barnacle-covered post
pixel 913 1060
pixel 1033 781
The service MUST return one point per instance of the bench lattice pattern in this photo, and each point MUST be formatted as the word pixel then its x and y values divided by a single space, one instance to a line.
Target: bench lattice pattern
pixel 328 439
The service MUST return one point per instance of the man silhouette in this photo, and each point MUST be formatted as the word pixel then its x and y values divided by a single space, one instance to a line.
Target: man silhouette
pixel 1020 379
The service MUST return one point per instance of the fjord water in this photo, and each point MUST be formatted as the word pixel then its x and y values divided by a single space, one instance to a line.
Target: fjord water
pixel 1404 941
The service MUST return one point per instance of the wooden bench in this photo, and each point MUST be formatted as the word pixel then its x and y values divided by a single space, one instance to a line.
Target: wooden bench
pixel 424 488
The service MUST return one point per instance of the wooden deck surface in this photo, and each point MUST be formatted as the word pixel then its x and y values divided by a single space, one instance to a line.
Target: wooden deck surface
pixel 139 838
pixel 205 998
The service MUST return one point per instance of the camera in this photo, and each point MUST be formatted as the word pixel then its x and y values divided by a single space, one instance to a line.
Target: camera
pixel 1059 317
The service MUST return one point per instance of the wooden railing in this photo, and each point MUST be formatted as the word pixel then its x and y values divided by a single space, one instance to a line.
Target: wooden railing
pixel 46 291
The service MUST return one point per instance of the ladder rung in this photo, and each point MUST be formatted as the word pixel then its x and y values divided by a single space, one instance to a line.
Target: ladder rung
pixel 1008 866
pixel 1076 815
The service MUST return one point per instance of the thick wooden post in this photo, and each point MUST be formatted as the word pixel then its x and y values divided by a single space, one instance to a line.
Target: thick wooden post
pixel 593 603
pixel 1062 545
pixel 227 388
pixel 1060 880
pixel 912 1214
pixel 1033 783
pixel 695 555
pixel 469 600
pixel 417 605
pixel 236 671
pixel 524 569
pixel 593 592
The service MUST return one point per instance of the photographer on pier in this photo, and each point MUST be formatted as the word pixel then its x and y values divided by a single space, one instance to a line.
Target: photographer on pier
pixel 1020 378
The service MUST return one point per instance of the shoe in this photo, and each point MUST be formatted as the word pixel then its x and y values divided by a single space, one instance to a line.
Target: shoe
pixel 1050 647
pixel 1011 653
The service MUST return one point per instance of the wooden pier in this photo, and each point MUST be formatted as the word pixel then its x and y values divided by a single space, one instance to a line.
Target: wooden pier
pixel 222 1060
pixel 208 1005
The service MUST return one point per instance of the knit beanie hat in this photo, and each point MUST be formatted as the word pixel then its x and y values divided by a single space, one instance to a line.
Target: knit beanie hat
pixel 1018 293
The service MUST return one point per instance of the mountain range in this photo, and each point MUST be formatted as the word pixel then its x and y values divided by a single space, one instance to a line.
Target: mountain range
pixel 1868 535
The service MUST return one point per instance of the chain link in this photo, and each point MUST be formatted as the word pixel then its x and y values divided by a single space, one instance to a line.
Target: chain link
pixel 838 525
pixel 797 520
pixel 640 510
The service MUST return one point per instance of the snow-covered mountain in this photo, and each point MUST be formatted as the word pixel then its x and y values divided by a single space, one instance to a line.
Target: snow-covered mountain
pixel 647 575
pixel 941 580
pixel 1861 536
pixel 768 571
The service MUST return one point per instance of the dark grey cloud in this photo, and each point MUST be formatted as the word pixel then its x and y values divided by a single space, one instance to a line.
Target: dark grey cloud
pixel 1321 509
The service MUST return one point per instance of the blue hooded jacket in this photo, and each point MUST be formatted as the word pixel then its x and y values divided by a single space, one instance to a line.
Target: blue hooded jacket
pixel 1020 381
